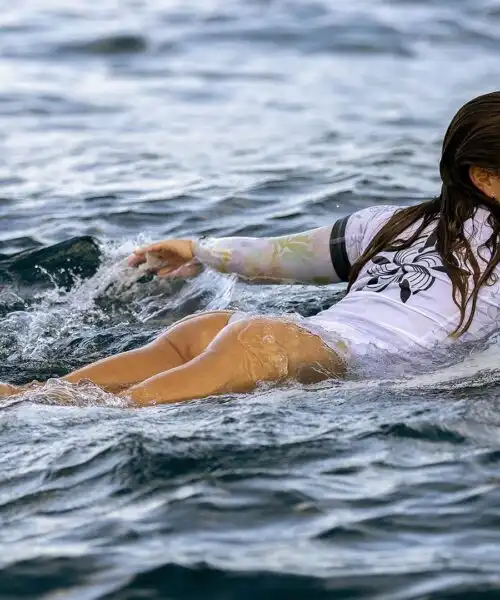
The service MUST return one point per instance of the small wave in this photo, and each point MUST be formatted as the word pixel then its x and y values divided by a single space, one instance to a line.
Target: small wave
pixel 50 323
pixel 477 369
pixel 359 38
pixel 45 104
pixel 428 431
pixel 60 393
pixel 204 580
pixel 108 45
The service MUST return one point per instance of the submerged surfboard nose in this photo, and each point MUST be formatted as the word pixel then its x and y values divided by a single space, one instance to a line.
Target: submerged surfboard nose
pixel 59 264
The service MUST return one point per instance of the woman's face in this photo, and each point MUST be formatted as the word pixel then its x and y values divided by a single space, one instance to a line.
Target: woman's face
pixel 486 181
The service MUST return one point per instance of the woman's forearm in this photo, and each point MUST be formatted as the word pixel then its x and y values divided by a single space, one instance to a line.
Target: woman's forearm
pixel 302 257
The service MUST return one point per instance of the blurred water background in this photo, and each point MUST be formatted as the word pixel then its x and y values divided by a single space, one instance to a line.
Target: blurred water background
pixel 134 120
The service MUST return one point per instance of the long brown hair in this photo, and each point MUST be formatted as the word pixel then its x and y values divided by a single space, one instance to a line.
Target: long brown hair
pixel 472 139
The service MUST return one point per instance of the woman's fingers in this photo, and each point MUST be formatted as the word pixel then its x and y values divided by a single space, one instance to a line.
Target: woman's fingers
pixel 6 389
pixel 165 272
pixel 136 259
pixel 184 271
pixel 140 255
pixel 191 269
pixel 174 251
pixel 157 247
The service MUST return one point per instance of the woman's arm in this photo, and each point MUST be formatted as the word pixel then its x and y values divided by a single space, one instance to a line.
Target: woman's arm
pixel 322 255
pixel 302 257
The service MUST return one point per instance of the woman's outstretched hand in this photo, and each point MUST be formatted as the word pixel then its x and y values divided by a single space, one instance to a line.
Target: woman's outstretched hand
pixel 169 258
pixel 6 389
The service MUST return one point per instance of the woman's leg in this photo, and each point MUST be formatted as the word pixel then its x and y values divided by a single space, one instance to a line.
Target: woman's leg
pixel 241 355
pixel 182 342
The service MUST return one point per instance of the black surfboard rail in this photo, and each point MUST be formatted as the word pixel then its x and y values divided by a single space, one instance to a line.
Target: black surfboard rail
pixel 58 264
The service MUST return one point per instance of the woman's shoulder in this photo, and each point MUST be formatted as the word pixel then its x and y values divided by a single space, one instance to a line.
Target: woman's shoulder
pixel 375 211
pixel 362 225
pixel 367 221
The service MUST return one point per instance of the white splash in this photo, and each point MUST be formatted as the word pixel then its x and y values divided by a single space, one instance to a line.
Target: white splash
pixel 58 314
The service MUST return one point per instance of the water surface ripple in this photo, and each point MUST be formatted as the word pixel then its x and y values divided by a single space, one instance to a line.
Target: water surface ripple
pixel 137 120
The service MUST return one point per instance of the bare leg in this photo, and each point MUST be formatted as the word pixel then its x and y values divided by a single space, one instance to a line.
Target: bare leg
pixel 240 356
pixel 180 343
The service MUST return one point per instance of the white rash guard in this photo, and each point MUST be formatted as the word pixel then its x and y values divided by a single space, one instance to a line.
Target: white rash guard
pixel 401 302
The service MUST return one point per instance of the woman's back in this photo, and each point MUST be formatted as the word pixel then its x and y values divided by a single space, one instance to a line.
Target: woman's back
pixel 402 300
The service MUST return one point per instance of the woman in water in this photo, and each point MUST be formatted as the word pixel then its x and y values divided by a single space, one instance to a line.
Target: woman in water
pixel 418 277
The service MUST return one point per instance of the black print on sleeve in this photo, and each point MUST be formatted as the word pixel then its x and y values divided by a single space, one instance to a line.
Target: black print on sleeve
pixel 412 268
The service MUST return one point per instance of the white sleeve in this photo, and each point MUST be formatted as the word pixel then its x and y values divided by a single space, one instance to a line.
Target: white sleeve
pixel 301 257
pixel 322 255
pixel 351 235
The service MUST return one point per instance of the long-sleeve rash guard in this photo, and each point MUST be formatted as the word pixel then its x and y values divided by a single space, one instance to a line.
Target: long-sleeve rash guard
pixel 400 302
pixel 322 255
pixel 302 257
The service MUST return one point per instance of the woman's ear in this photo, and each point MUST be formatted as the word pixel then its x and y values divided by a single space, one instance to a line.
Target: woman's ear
pixel 483 180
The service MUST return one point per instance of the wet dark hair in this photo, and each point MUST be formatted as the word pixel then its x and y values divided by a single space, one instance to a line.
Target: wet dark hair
pixel 472 139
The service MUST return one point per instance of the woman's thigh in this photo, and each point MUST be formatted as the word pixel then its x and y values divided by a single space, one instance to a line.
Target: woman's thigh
pixel 238 357
pixel 272 349
pixel 191 335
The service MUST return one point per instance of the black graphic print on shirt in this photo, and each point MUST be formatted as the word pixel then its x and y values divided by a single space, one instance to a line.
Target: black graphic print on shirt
pixel 412 268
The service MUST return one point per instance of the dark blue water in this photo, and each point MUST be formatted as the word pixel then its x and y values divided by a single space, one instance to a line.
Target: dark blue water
pixel 140 120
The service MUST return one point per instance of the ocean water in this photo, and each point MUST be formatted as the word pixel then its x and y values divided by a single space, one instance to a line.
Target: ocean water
pixel 138 120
